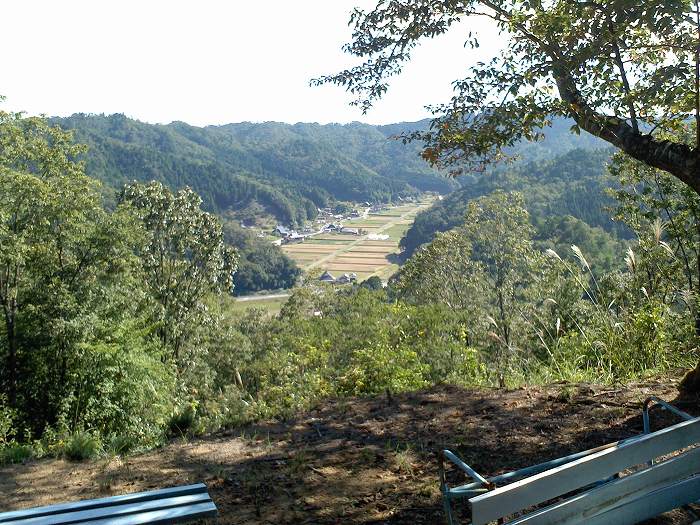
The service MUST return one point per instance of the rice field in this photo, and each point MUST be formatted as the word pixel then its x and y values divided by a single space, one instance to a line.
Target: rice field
pixel 342 253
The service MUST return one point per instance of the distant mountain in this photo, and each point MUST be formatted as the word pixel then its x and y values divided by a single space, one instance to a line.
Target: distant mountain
pixel 285 170
pixel 249 171
pixel 571 184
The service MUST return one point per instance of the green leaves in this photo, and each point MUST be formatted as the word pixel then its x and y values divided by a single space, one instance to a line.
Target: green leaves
pixel 184 257
pixel 72 306
pixel 619 68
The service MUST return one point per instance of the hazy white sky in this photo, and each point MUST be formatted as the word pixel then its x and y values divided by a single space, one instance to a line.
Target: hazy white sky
pixel 206 61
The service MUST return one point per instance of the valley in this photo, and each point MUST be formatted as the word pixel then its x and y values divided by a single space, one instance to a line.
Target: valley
pixel 374 252
pixel 231 302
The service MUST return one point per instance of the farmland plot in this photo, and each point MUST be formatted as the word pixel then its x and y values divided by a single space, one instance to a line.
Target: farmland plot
pixel 342 253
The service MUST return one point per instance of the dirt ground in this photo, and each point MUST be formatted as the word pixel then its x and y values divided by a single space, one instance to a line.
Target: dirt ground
pixel 368 461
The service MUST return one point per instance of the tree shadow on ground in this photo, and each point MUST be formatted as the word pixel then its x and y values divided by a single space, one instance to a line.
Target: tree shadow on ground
pixel 373 460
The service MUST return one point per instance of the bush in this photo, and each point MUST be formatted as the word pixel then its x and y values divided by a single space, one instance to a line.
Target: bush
pixel 15 453
pixel 81 446
pixel 119 445
pixel 7 419
pixel 293 377
pixel 183 419
pixel 126 388
pixel 227 410
pixel 383 367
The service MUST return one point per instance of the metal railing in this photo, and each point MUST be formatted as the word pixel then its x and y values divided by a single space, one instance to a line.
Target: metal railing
pixel 482 484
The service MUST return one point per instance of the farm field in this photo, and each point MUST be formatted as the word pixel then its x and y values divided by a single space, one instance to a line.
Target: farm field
pixel 342 253
pixel 271 303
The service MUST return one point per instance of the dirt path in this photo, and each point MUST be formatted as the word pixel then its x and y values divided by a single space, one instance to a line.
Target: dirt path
pixel 358 461
pixel 346 247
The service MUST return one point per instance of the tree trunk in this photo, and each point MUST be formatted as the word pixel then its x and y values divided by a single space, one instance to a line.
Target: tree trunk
pixel 678 159
pixel 691 382
pixel 11 361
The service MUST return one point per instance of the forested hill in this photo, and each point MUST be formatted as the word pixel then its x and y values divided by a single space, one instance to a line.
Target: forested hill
pixel 280 169
pixel 570 184
pixel 286 170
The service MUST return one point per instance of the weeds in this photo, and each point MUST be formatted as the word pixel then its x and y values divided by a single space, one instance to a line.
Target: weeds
pixel 404 459
pixel 82 445
pixel 120 445
pixel 183 420
pixel 15 453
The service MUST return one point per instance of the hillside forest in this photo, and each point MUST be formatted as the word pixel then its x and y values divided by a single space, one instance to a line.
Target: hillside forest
pixel 570 263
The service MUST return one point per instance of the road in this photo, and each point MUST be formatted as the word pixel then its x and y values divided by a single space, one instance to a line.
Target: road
pixel 262 297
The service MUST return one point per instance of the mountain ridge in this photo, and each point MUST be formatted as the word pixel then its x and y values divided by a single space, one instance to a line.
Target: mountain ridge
pixel 290 170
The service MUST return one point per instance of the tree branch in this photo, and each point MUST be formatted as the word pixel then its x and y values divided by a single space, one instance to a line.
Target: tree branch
pixel 678 159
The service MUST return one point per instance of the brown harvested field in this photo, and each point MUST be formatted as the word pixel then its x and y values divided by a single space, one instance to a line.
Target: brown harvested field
pixel 371 249
pixel 358 255
pixel 312 253
pixel 385 244
pixel 369 261
pixel 342 253
pixel 337 269
pixel 312 248
pixel 329 237
pixel 307 255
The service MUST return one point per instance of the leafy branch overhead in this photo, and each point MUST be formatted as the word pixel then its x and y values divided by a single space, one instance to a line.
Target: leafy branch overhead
pixel 624 70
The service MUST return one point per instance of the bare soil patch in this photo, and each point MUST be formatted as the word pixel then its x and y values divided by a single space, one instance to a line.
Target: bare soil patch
pixel 367 460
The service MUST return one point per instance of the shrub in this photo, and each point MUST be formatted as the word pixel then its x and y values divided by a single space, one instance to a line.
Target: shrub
pixel 119 445
pixel 183 419
pixel 227 410
pixel 376 369
pixel 7 419
pixel 126 388
pixel 81 446
pixel 14 452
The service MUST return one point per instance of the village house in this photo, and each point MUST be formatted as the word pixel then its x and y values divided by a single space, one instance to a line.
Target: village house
pixel 332 227
pixel 294 238
pixel 326 277
pixel 281 230
pixel 347 278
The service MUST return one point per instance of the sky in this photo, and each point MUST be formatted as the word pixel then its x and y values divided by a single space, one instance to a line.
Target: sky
pixel 209 61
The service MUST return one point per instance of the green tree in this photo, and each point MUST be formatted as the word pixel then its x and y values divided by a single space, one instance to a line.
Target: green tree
pixel 261 265
pixel 70 293
pixel 624 70
pixel 500 232
pixel 184 257
pixel 443 272
pixel 665 215
pixel 53 233
pixel 372 283
pixel 485 269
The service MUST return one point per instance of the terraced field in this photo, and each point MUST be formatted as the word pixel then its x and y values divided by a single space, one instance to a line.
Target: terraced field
pixel 342 253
